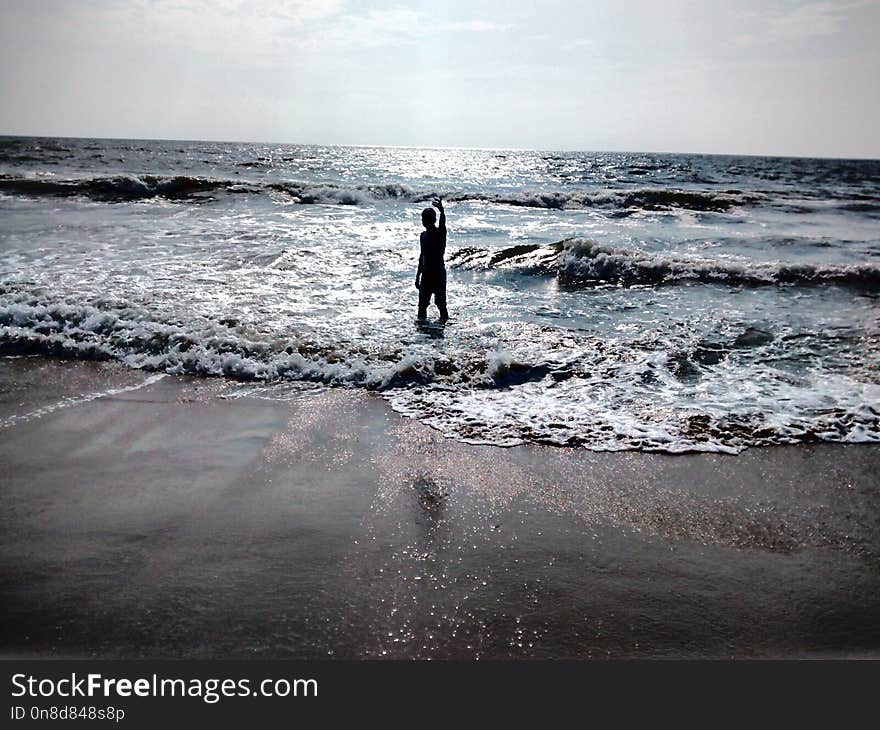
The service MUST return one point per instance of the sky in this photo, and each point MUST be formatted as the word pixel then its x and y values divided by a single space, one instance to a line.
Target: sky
pixel 750 77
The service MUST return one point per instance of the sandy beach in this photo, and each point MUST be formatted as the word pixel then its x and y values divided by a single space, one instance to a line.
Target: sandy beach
pixel 180 519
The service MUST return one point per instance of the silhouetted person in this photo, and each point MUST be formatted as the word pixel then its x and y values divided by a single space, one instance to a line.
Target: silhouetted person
pixel 431 276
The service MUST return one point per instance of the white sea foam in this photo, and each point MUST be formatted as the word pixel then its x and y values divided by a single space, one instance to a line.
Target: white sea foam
pixel 603 395
pixel 582 260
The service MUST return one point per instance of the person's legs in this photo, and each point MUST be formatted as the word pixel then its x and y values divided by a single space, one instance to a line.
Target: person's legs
pixel 440 298
pixel 424 299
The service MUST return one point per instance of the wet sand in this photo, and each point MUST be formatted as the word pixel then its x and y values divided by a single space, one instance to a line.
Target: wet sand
pixel 177 520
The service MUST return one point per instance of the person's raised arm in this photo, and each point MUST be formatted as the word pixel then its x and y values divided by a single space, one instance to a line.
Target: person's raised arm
pixel 438 204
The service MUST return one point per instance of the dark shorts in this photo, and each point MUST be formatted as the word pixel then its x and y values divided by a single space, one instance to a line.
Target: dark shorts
pixel 435 286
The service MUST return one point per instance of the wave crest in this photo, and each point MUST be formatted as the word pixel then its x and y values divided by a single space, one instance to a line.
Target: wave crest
pixel 36 325
pixel 583 262
pixel 122 188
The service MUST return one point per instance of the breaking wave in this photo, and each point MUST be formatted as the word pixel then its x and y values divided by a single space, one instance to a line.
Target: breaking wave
pixel 39 325
pixel 464 394
pixel 122 188
pixel 648 199
pixel 581 262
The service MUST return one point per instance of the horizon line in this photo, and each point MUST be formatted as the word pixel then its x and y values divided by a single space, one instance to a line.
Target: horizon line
pixel 446 147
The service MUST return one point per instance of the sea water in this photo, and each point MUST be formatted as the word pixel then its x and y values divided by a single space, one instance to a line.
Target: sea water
pixel 602 300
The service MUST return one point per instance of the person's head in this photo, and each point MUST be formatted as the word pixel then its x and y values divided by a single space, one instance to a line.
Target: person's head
pixel 429 217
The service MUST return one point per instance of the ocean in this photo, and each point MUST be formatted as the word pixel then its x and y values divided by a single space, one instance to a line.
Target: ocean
pixel 608 301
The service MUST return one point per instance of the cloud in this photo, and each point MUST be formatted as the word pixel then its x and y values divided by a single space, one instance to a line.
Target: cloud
pixel 798 23
pixel 581 45
pixel 393 26
pixel 373 29
pixel 477 26
pixel 812 20
pixel 261 31
pixel 282 11
pixel 256 29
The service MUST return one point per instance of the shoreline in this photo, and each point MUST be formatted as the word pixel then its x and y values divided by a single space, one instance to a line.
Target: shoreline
pixel 168 519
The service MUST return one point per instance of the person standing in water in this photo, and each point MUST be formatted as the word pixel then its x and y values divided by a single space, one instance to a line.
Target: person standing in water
pixel 431 275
